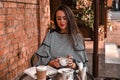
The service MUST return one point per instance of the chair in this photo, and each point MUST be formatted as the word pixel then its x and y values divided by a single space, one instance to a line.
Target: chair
pixel 33 62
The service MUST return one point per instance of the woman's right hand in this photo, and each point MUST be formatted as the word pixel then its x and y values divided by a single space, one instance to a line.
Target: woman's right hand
pixel 55 63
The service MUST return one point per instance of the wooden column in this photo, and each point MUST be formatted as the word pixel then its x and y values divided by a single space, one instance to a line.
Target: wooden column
pixel 105 17
pixel 95 47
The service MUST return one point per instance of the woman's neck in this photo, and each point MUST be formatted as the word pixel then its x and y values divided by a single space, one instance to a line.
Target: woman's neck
pixel 63 31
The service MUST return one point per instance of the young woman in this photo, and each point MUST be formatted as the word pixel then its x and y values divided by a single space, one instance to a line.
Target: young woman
pixel 64 41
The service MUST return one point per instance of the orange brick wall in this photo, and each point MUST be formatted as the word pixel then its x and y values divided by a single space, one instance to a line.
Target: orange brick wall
pixel 22 27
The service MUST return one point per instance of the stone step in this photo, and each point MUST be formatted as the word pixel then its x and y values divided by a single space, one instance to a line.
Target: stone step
pixel 112 54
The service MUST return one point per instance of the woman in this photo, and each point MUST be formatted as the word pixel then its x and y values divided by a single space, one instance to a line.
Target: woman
pixel 64 41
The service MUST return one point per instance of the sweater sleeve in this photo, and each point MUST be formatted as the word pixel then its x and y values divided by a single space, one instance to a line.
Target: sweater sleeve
pixel 44 50
pixel 80 50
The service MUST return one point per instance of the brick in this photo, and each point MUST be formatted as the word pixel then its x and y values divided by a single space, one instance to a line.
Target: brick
pixel 2 25
pixel 3 74
pixel 21 22
pixel 1 5
pixel 21 55
pixel 14 41
pixel 10 17
pixel 17 34
pixel 16 46
pixel 9 55
pixel 20 69
pixel 9 30
pixel 3 66
pixel 10 5
pixel 13 60
pixel 18 28
pixel 12 11
pixel 12 74
pixel 34 1
pixel 30 6
pixel 21 6
pixel 9 23
pixel 28 1
pixel 15 22
pixel 11 48
pixel 6 50
pixel 26 65
pixel 20 17
pixel 2 31
pixel 3 11
pixel 2 44
pixel 7 43
pixel 12 67
pixel 2 17
pixel 15 53
pixel 20 11
pixel 10 36
pixel 2 38
pixel 1 52
pixel 11 0
pixel 20 1
pixel 4 78
pixel 21 61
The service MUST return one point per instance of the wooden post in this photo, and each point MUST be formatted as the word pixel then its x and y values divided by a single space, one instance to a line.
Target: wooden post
pixel 105 17
pixel 95 47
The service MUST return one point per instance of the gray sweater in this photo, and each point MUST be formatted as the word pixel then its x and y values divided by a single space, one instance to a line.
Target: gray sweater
pixel 59 45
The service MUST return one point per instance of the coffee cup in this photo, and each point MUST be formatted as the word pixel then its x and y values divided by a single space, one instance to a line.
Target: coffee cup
pixel 41 72
pixel 63 61
pixel 67 73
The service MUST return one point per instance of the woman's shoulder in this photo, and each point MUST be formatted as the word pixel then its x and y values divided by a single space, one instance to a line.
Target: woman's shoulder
pixel 50 31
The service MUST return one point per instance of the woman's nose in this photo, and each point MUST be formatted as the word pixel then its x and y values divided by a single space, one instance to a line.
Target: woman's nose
pixel 62 20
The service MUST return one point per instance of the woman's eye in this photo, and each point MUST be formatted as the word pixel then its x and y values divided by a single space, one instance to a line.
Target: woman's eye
pixel 64 18
pixel 58 18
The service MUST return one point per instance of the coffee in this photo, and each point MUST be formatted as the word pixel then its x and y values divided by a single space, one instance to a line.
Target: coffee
pixel 41 72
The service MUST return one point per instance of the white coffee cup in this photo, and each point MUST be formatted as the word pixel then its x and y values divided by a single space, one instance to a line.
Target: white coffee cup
pixel 67 73
pixel 63 61
pixel 41 72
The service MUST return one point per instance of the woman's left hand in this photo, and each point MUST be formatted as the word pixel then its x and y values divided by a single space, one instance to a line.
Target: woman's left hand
pixel 70 62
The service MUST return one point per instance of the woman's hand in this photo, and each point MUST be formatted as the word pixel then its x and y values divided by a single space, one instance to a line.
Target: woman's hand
pixel 54 63
pixel 70 62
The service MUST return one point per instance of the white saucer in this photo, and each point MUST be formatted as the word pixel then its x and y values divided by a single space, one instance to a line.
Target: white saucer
pixel 65 70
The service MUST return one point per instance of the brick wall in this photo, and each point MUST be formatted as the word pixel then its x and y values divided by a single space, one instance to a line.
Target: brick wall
pixel 23 26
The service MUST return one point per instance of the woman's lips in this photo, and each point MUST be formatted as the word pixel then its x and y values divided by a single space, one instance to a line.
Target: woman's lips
pixel 62 25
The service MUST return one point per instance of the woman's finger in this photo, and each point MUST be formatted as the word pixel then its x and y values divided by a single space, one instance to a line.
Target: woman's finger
pixel 69 61
pixel 57 59
pixel 70 56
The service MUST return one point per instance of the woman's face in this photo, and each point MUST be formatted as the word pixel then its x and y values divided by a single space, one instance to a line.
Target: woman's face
pixel 61 21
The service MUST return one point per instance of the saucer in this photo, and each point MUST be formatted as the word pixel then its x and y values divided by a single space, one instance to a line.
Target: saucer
pixel 65 70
